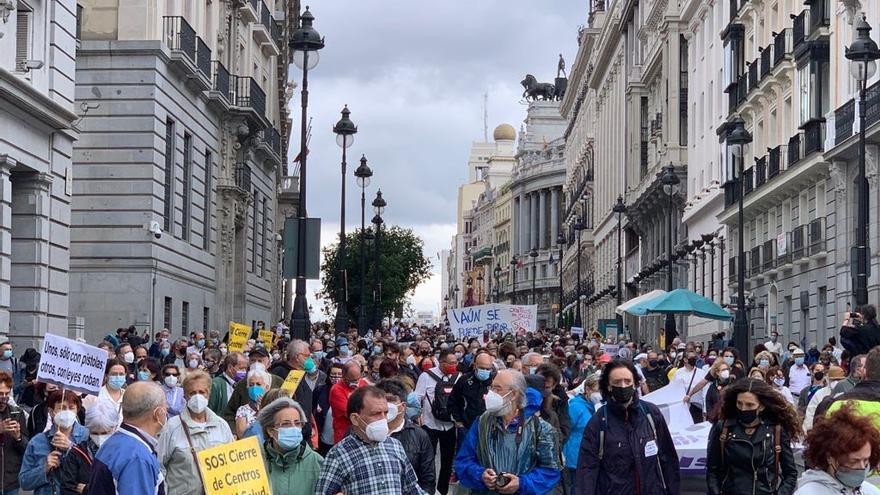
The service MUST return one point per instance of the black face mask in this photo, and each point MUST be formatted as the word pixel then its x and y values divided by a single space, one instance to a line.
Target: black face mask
pixel 692 361
pixel 819 375
pixel 652 363
pixel 622 395
pixel 747 417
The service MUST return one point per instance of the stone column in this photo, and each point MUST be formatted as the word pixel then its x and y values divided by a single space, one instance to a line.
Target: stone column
pixel 5 240
pixel 554 214
pixel 29 275
pixel 514 239
pixel 525 211
pixel 542 219
pixel 533 225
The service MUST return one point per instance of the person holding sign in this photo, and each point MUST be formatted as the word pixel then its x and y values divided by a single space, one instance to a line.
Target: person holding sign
pixel 46 452
pixel 14 437
pixel 195 429
pixel 102 419
pixel 293 466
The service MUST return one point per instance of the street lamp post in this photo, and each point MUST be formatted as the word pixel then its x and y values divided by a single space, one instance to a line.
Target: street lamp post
pixel 738 140
pixel 534 256
pixel 345 131
pixel 305 43
pixel 513 262
pixel 363 174
pixel 671 184
pixel 619 211
pixel 560 242
pixel 862 54
pixel 578 227
pixel 480 287
pixel 379 205
pixel 497 274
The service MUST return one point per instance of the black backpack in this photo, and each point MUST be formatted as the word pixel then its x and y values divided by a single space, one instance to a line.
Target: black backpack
pixel 442 392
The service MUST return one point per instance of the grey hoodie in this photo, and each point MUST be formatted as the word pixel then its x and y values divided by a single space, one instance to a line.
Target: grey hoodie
pixel 816 482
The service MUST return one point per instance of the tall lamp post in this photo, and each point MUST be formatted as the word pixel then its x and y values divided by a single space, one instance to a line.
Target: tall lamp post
pixel 345 131
pixel 862 54
pixel 305 43
pixel 738 140
pixel 671 184
pixel 481 293
pixel 578 227
pixel 534 256
pixel 513 263
pixel 497 274
pixel 619 211
pixel 363 174
pixel 560 243
pixel 379 205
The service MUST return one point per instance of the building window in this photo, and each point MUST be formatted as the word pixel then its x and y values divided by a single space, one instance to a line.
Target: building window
pixel 184 318
pixel 187 185
pixel 683 90
pixel 79 14
pixel 169 176
pixel 167 313
pixel 643 139
pixel 804 92
pixel 209 195
pixel 206 318
pixel 23 37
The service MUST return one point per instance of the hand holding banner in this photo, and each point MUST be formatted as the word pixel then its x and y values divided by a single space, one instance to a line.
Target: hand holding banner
pixel 72 365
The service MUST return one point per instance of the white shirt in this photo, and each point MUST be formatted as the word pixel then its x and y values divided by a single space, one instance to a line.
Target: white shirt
pixel 785 392
pixel 687 380
pixel 774 347
pixel 425 392
pixel 798 378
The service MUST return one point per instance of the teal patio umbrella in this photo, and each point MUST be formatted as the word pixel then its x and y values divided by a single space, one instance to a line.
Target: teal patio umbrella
pixel 687 302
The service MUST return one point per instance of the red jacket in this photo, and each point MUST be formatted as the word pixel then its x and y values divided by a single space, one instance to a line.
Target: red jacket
pixel 338 404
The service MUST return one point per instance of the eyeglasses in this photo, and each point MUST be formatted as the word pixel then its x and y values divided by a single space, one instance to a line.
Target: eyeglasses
pixel 288 424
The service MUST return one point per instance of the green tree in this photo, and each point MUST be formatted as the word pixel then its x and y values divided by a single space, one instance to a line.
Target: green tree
pixel 402 267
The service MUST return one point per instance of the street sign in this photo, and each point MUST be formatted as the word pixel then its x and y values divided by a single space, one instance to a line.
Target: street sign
pixel 311 228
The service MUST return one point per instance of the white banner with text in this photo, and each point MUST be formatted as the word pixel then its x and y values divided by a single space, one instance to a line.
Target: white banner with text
pixel 492 319
pixel 72 365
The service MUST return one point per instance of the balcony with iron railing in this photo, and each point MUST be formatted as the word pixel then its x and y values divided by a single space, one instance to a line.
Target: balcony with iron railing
pixel 203 59
pixel 243 177
pixel 844 118
pixel 820 12
pixel 263 32
pixel 814 136
pixel 748 181
pixel 753 75
pixel 250 10
pixel 760 171
pixel 731 193
pixel 755 258
pixel 872 105
pixel 766 61
pixel 768 255
pixel 794 150
pixel 775 162
pixel 799 247
pixel 732 98
pixel 249 95
pixel 799 28
pixel 782 46
pixel 816 237
pixel 742 88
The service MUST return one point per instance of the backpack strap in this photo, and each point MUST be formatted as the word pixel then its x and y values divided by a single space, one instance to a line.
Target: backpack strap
pixel 602 425
pixel 777 449
pixel 433 376
pixel 723 440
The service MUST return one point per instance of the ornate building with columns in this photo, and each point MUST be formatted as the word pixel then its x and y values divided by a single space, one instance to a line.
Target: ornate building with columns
pixel 536 204
pixel 179 163
pixel 37 130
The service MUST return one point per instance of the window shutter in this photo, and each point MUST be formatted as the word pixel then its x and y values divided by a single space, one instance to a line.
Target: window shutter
pixel 22 38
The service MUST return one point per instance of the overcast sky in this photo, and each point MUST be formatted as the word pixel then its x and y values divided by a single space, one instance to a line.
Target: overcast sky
pixel 413 74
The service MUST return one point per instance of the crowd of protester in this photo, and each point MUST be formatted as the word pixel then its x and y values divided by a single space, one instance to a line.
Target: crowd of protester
pixel 411 410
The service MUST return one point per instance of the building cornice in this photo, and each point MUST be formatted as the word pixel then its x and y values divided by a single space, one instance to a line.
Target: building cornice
pixel 34 103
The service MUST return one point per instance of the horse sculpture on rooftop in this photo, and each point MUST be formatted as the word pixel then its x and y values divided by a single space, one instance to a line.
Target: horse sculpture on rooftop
pixel 535 90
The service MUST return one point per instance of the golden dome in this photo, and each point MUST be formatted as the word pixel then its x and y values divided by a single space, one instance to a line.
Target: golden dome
pixel 504 132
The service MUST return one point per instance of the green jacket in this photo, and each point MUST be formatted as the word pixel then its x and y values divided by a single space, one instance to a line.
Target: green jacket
pixel 295 472
pixel 240 398
pixel 219 398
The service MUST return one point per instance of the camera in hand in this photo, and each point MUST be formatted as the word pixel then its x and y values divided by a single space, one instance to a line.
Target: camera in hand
pixel 502 480
pixel 856 320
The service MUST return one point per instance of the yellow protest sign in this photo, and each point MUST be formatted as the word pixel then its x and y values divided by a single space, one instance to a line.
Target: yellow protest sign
pixel 238 336
pixel 268 337
pixel 292 381
pixel 234 468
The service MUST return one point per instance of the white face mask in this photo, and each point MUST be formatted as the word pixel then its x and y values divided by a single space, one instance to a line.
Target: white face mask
pixel 193 363
pixel 596 398
pixel 494 401
pixel 100 439
pixel 128 357
pixel 393 411
pixel 171 381
pixel 725 374
pixel 411 360
pixel 197 403
pixel 65 419
pixel 377 431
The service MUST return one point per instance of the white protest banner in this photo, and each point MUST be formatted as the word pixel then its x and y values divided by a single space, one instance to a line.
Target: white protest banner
pixel 72 365
pixel 477 321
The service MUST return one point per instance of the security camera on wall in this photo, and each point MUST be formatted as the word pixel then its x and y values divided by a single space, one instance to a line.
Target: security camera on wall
pixel 155 229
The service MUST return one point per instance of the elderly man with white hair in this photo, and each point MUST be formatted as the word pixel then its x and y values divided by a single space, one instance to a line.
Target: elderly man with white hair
pixel 196 428
pixel 102 419
pixel 510 449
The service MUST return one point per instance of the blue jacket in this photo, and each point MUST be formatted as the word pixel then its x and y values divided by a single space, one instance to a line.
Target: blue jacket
pixel 537 467
pixel 630 463
pixel 33 474
pixel 580 410
pixel 126 464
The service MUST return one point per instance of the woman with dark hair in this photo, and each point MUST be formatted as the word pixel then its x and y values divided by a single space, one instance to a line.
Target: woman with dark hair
pixel 730 356
pixel 842 450
pixel 749 447
pixel 557 398
pixel 148 370
pixel 626 446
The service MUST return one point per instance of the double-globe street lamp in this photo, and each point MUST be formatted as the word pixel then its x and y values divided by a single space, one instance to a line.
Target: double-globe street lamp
pixel 305 43
pixel 671 184
pixel 619 210
pixel 738 140
pixel 534 256
pixel 862 54
pixel 345 131
pixel 379 205
pixel 513 262
pixel 363 174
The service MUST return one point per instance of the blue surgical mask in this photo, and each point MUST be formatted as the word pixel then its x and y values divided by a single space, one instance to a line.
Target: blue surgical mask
pixel 309 365
pixel 343 349
pixel 116 382
pixel 319 355
pixel 255 392
pixel 7 354
pixel 290 438
pixel 799 361
pixel 851 478
pixel 413 406
pixel 764 363
pixel 483 375
pixel 165 351
pixel 728 360
pixel 143 376
pixel 200 343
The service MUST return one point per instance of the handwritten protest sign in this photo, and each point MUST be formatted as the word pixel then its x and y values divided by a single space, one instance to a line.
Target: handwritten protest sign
pixel 267 336
pixel 71 364
pixel 238 336
pixel 292 381
pixel 234 469
pixel 476 321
